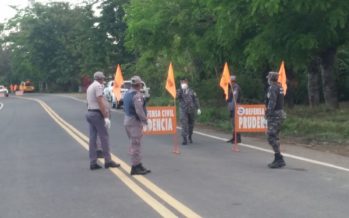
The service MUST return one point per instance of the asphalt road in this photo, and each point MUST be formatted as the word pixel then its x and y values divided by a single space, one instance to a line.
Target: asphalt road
pixel 44 170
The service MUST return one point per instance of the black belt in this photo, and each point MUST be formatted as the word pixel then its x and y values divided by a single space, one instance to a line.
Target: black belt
pixel 95 110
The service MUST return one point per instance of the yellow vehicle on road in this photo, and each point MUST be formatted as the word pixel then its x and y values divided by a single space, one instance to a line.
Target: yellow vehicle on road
pixel 27 86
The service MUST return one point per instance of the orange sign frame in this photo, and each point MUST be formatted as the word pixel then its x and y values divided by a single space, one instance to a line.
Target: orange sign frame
pixel 161 121
pixel 250 118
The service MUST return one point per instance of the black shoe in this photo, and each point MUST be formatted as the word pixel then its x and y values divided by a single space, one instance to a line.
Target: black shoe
pixel 230 140
pixel 111 164
pixel 139 170
pixel 100 154
pixel 95 167
pixel 143 168
pixel 190 139
pixel 278 162
pixel 238 138
pixel 185 142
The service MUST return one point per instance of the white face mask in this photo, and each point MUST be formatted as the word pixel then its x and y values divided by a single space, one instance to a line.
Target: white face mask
pixel 184 86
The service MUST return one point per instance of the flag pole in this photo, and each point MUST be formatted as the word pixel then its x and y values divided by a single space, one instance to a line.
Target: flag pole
pixel 235 147
pixel 176 148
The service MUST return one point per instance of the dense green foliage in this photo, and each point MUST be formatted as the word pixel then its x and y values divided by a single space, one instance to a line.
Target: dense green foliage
pixel 55 44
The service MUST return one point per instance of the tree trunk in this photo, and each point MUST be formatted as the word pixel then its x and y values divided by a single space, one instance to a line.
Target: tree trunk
pixel 314 82
pixel 328 78
pixel 289 98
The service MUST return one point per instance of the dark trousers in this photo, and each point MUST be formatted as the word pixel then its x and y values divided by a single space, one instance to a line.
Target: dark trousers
pixel 97 126
pixel 232 116
pixel 187 123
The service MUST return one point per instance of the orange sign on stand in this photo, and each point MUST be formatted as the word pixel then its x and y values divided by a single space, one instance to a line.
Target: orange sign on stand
pixel 250 118
pixel 161 121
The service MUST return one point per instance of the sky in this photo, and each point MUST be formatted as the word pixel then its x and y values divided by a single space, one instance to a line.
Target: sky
pixel 6 12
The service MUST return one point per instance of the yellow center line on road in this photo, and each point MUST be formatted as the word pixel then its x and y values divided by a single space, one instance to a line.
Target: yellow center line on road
pixel 156 205
pixel 147 198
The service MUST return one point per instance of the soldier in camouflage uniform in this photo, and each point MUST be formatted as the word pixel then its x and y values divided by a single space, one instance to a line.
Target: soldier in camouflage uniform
pixel 234 97
pixel 135 119
pixel 189 105
pixel 275 115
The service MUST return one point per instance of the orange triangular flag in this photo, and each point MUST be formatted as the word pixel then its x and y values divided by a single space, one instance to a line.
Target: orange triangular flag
pixel 118 81
pixel 225 80
pixel 282 77
pixel 170 82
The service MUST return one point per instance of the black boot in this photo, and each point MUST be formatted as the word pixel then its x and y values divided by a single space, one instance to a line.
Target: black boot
pixel 278 161
pixel 111 164
pixel 138 170
pixel 144 169
pixel 238 137
pixel 184 141
pixel 190 139
pixel 95 166
pixel 231 140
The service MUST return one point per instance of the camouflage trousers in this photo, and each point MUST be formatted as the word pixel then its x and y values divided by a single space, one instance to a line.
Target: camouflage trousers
pixel 274 127
pixel 134 131
pixel 187 123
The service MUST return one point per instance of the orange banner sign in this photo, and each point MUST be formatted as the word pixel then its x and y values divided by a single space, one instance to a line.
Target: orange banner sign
pixel 161 121
pixel 250 118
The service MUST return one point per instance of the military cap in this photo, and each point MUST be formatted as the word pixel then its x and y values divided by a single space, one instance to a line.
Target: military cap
pixel 136 80
pixel 233 77
pixel 273 76
pixel 98 75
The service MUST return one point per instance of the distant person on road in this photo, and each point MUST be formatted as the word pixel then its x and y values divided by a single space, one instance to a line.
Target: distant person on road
pixel 98 118
pixel 234 98
pixel 189 106
pixel 275 115
pixel 135 119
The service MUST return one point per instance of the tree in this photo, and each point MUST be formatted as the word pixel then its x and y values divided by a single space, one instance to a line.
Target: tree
pixel 303 32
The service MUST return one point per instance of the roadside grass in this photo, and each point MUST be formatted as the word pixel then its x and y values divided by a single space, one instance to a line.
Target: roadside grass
pixel 309 125
pixel 318 124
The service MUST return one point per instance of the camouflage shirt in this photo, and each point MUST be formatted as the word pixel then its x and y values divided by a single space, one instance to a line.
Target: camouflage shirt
pixel 275 100
pixel 188 100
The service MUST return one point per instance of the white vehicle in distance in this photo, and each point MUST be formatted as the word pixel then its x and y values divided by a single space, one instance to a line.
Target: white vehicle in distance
pixel 108 92
pixel 4 90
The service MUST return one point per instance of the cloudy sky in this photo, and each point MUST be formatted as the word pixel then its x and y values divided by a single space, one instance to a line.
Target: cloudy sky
pixel 6 12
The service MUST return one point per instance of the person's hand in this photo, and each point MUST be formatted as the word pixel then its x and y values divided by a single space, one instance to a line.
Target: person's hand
pixel 145 125
pixel 265 123
pixel 107 123
pixel 199 112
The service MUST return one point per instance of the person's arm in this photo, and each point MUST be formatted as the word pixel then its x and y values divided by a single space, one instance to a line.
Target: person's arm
pixel 139 102
pixel 102 107
pixel 272 100
pixel 230 95
pixel 179 94
pixel 196 101
pixel 237 93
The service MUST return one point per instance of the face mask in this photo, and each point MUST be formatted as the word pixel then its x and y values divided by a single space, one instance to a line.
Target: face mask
pixel 184 86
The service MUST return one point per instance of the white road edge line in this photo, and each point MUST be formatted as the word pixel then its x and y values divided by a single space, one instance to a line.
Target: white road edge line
pixel 1 106
pixel 308 160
